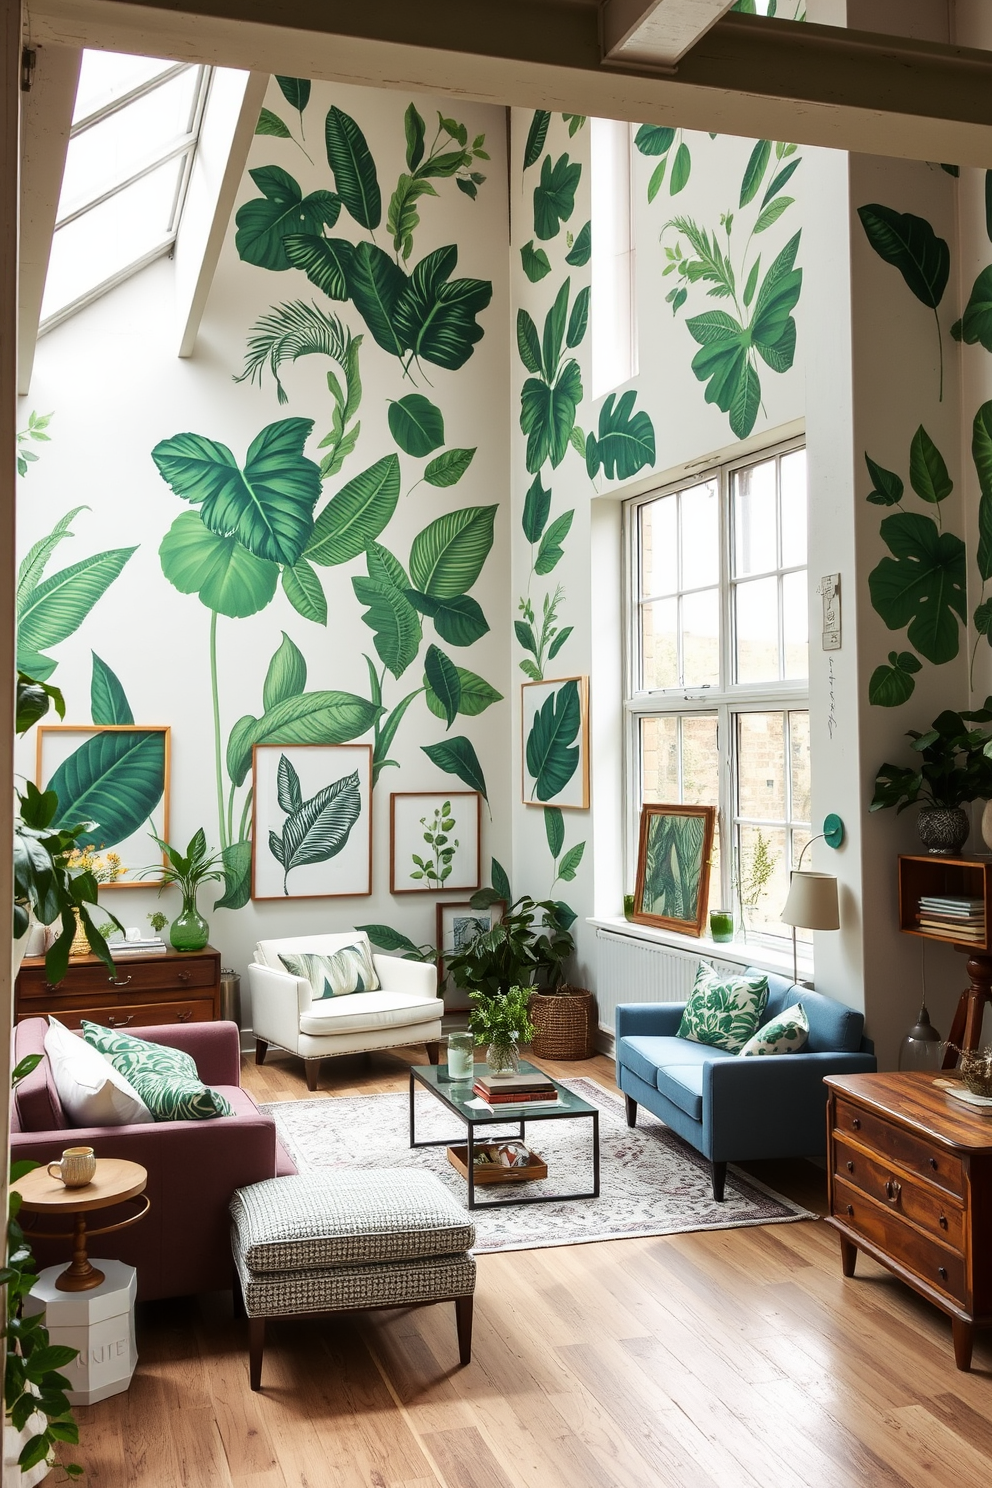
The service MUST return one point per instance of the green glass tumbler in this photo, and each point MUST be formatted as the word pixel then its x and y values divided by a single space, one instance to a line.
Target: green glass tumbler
pixel 628 906
pixel 721 925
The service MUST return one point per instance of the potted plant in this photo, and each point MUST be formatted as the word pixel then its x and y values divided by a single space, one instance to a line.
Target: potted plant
pixel 954 768
pixel 500 1020
pixel 188 871
pixel 529 946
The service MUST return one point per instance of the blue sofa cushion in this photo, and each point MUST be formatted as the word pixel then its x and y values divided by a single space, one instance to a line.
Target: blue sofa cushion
pixel 645 1054
pixel 834 1028
pixel 683 1085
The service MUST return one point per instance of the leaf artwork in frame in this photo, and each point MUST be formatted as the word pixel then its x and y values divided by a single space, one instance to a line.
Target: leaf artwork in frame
pixel 673 857
pixel 457 926
pixel 554 720
pixel 115 778
pixel 311 821
pixel 435 841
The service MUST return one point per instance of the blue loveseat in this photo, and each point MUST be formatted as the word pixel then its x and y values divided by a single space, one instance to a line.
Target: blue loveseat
pixel 733 1109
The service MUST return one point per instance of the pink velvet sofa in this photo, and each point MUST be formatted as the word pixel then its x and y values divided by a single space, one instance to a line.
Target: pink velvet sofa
pixel 183 1244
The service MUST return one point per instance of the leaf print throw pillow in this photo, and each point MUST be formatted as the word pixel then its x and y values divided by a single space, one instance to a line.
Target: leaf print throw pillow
pixel 786 1033
pixel 723 1010
pixel 166 1079
pixel 347 970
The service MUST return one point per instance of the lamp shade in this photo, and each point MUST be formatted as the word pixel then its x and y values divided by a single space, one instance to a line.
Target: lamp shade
pixel 812 902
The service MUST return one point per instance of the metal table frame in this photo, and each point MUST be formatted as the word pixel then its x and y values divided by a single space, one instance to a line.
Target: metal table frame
pixel 495 1119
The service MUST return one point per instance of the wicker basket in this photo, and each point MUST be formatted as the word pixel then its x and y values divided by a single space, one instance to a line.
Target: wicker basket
pixel 564 1024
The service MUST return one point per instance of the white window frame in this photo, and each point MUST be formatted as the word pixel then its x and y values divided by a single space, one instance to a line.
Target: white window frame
pixel 727 699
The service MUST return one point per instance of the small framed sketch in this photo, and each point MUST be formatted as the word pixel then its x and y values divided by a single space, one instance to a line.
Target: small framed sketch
pixel 117 777
pixel 435 841
pixel 457 927
pixel 555 755
pixel 311 821
pixel 673 867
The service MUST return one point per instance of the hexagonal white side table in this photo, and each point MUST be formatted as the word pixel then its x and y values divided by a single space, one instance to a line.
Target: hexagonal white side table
pixel 99 1323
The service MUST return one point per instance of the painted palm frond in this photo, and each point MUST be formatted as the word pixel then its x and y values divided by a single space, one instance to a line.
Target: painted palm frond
pixel 291 331
pixel 672 867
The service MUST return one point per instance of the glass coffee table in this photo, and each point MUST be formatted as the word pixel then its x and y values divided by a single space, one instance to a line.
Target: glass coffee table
pixel 455 1095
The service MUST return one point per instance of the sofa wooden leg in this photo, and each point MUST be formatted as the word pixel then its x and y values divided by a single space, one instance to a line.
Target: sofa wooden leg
pixel 631 1105
pixel 261 1049
pixel 433 1051
pixel 256 1346
pixel 719 1179
pixel 463 1321
pixel 312 1067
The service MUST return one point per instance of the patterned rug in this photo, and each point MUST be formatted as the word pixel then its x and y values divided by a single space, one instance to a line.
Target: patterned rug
pixel 651 1182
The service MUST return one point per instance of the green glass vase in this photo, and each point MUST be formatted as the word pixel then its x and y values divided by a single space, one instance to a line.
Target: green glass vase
pixel 190 931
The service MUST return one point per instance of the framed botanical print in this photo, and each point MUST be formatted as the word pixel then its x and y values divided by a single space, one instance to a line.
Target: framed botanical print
pixel 435 841
pixel 311 821
pixel 117 777
pixel 457 927
pixel 673 867
pixel 555 745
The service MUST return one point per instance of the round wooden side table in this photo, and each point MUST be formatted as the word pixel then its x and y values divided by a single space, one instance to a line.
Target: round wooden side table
pixel 116 1180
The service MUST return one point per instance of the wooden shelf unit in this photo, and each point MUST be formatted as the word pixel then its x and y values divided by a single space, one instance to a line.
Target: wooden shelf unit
pixel 966 878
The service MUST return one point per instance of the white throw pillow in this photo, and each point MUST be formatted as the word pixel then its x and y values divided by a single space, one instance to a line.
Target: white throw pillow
pixel 92 1092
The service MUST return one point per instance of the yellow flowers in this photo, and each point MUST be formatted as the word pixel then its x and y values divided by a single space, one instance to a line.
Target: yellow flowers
pixel 106 869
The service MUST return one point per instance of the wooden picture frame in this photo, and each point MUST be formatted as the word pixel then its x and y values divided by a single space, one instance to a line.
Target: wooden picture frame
pixel 410 820
pixel 673 867
pixel 447 937
pixel 83 761
pixel 555 784
pixel 288 778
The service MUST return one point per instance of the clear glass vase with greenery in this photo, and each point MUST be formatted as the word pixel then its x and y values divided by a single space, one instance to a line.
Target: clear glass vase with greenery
pixel 501 1020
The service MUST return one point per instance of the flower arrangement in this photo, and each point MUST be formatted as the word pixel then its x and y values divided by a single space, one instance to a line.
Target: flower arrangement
pixel 106 869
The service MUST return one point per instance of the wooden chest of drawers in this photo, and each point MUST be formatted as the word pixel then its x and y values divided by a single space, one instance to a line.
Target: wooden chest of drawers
pixel 176 987
pixel 910 1183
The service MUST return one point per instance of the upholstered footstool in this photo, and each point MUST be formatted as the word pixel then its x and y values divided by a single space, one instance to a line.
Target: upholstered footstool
pixel 346 1242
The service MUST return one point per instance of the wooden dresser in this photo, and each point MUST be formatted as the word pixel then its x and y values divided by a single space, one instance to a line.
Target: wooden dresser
pixel 910 1184
pixel 176 987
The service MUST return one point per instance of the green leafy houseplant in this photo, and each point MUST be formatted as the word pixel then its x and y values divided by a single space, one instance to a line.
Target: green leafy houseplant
pixel 45 884
pixel 34 1390
pixel 527 948
pixel 188 871
pixel 955 765
pixel 501 1019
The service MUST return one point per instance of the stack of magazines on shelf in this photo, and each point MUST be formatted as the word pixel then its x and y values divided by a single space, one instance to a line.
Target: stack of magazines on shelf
pixel 151 945
pixel 515 1090
pixel 953 918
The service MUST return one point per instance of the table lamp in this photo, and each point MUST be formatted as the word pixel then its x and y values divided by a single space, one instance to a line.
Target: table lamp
pixel 811 905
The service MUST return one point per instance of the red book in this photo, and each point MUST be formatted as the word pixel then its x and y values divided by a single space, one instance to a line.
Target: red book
pixel 520 1099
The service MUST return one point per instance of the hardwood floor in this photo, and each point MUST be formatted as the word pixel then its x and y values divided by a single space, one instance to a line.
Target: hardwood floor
pixel 730 1359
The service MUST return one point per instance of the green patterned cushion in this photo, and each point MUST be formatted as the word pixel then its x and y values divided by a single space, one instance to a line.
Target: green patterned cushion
pixel 166 1079
pixel 786 1033
pixel 345 971
pixel 723 1010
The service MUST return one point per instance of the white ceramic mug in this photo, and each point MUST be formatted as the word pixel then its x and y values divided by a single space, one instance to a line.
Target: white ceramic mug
pixel 77 1167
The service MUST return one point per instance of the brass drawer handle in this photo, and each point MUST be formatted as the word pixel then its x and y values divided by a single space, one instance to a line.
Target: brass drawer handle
pixel 850 1208
pixel 892 1191
pixel 856 1123
pixel 942 1272
pixel 116 981
pixel 120 1022
pixel 943 1221
pixel 850 1167
pixel 184 976
pixel 184 1017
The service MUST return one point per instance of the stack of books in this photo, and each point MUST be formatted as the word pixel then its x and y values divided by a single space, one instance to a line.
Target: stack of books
pixel 515 1090
pixel 953 918
pixel 152 945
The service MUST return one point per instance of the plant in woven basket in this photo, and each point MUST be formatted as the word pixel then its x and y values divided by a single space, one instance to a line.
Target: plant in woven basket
pixel 975 1069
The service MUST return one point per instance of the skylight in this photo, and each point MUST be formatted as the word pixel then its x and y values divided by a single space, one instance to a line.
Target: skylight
pixel 134 132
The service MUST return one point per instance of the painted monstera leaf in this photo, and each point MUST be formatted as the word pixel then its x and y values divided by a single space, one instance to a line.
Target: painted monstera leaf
pixel 268 507
pixel 547 415
pixel 922 586
pixel 114 780
pixel 316 830
pixel 52 610
pixel 227 578
pixel 264 223
pixel 552 754
pixel 891 686
pixel 624 444
pixel 554 196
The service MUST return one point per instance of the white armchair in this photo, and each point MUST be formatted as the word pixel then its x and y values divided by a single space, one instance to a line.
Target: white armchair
pixel 285 1014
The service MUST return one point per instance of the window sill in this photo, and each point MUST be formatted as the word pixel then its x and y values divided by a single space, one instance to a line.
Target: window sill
pixel 745 953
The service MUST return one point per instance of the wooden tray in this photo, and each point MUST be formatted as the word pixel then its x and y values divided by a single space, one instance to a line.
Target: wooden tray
pixel 493 1172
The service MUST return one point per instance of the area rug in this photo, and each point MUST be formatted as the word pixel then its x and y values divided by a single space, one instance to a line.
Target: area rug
pixel 651 1182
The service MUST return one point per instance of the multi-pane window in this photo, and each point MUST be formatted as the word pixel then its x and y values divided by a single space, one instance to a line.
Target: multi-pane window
pixel 717 670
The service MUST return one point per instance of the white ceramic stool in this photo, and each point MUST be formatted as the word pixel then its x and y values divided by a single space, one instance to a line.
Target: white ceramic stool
pixel 99 1323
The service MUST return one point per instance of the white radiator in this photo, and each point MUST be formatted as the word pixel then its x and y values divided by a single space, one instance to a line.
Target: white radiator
pixel 633 970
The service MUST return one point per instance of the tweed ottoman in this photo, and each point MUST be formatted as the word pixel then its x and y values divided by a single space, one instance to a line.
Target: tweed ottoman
pixel 350 1241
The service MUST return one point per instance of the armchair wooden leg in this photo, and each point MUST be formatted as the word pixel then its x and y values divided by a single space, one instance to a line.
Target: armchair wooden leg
pixel 631 1105
pixel 237 1299
pixel 256 1347
pixel 463 1321
pixel 261 1049
pixel 719 1179
pixel 312 1067
pixel 433 1051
